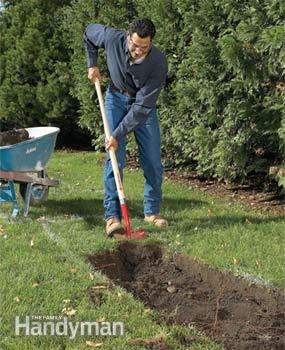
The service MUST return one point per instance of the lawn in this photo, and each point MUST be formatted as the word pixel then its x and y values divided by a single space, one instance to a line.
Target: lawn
pixel 44 268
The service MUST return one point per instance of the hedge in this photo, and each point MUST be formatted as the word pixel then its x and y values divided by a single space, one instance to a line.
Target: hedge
pixel 222 111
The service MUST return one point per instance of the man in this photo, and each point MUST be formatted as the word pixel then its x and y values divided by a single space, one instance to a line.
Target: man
pixel 137 72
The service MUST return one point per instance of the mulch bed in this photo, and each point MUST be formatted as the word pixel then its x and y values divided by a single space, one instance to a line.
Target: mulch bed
pixel 260 195
pixel 253 192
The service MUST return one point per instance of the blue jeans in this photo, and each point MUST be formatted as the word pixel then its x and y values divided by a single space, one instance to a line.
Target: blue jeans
pixel 148 140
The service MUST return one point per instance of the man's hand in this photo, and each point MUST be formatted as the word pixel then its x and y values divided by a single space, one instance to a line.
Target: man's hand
pixel 93 74
pixel 111 143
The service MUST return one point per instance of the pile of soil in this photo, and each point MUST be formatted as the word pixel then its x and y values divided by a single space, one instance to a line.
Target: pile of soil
pixel 229 309
pixel 12 137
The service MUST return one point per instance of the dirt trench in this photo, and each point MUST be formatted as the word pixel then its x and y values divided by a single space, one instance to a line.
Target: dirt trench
pixel 229 309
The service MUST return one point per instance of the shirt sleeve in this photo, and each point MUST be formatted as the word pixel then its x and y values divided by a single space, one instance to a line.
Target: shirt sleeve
pixel 94 38
pixel 146 99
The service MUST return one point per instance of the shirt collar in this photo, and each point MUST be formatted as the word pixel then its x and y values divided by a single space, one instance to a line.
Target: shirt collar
pixel 126 44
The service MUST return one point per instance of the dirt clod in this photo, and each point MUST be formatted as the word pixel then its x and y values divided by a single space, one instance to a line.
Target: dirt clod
pixel 231 310
pixel 13 136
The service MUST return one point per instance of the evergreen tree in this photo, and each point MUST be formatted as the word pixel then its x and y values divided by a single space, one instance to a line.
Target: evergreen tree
pixel 35 66
pixel 222 111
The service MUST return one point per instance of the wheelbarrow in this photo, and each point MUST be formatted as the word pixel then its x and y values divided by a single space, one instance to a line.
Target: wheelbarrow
pixel 24 163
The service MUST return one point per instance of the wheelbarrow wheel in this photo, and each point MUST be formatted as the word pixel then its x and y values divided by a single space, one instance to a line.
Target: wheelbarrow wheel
pixel 39 193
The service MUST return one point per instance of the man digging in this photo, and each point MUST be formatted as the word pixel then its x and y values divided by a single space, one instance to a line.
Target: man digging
pixel 137 71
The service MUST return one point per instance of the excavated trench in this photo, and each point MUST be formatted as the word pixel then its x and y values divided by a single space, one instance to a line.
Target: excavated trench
pixel 229 309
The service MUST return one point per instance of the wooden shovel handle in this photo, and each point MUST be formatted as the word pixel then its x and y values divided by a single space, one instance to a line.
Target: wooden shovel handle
pixel 112 153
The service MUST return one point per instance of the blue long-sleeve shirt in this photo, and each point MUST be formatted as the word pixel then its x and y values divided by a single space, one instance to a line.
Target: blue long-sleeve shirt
pixel 143 80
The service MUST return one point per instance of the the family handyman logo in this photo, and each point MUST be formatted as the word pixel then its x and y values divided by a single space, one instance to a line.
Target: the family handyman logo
pixel 58 326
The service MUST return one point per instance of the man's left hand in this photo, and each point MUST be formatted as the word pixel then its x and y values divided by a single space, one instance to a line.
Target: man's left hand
pixel 111 143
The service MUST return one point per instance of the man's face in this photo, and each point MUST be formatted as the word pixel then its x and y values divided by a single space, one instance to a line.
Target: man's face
pixel 138 47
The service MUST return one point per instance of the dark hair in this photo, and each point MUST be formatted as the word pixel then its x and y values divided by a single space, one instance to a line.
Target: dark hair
pixel 143 27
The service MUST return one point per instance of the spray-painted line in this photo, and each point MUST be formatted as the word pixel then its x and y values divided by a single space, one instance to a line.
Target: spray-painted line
pixel 58 240
pixel 52 236
pixel 253 278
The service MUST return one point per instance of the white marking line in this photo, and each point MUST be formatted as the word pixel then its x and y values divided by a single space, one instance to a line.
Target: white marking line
pixel 54 237
pixel 258 280
pixel 51 235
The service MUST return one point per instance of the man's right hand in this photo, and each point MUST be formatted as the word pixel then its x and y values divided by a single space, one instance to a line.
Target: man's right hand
pixel 93 74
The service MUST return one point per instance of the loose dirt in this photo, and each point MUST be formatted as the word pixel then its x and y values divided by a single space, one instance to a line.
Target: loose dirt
pixel 13 136
pixel 229 309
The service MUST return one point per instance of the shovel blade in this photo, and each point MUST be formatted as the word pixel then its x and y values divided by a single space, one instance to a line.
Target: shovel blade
pixel 138 234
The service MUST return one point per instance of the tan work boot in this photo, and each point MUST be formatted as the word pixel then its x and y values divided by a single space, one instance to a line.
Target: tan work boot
pixel 114 227
pixel 156 220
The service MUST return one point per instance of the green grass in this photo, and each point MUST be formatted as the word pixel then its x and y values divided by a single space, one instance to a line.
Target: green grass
pixel 38 278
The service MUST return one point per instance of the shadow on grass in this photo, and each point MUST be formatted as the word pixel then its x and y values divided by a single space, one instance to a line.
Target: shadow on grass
pixel 226 220
pixel 91 210
pixel 215 223
pixel 168 204
pixel 190 226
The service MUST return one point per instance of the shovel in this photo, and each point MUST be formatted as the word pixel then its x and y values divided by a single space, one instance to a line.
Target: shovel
pixel 139 234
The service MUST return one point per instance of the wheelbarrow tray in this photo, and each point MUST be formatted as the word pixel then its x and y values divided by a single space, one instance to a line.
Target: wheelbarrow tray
pixel 24 163
pixel 31 155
